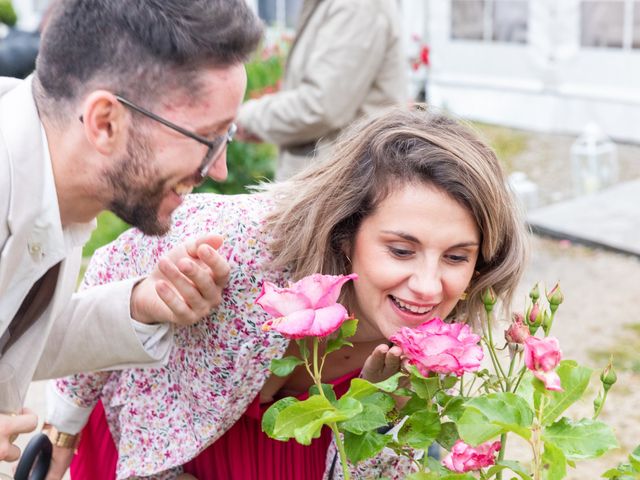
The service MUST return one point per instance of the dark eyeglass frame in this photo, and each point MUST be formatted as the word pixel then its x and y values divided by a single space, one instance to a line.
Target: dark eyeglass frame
pixel 215 146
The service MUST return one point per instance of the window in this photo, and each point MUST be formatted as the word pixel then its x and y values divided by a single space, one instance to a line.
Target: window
pixel 279 12
pixel 503 21
pixel 610 24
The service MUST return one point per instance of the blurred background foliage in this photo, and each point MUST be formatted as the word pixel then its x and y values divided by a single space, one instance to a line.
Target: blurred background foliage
pixel 7 13
pixel 248 163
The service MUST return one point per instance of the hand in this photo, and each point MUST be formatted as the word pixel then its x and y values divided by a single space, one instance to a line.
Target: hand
pixel 60 461
pixel 243 135
pixel 383 362
pixel 10 427
pixel 185 286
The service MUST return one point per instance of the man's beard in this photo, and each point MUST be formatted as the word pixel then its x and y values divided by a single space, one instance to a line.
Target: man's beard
pixel 137 190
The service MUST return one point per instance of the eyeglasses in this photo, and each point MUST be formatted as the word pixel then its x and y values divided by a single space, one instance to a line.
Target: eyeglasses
pixel 215 146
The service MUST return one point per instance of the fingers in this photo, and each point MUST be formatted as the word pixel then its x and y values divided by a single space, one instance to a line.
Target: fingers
pixel 219 267
pixel 383 362
pixel 214 241
pixel 10 427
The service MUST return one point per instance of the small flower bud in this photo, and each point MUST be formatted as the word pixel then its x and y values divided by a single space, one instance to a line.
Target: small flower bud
pixel 555 297
pixel 534 294
pixel 608 377
pixel 489 299
pixel 597 403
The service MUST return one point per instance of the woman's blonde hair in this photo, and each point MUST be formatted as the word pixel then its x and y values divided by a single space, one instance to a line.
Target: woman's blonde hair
pixel 318 212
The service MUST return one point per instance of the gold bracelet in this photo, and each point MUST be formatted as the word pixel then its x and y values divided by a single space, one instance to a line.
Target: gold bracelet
pixel 61 439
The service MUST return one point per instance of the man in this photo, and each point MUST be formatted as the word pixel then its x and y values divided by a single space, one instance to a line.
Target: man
pixel 130 107
pixel 346 61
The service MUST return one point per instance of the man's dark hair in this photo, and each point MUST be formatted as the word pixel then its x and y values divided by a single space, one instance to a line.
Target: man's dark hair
pixel 139 48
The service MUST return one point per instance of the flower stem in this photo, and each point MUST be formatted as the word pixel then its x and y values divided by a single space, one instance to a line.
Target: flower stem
pixel 332 425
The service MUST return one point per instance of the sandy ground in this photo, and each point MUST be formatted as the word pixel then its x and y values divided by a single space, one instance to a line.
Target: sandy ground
pixel 599 315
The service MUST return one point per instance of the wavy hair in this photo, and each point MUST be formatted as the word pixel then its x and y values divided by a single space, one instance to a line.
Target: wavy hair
pixel 320 210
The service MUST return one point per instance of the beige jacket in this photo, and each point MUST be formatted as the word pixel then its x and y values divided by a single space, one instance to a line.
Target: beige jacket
pixel 346 62
pixel 76 332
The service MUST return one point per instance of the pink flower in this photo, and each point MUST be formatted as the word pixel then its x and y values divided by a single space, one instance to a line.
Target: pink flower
pixel 464 458
pixel 542 356
pixel 440 347
pixel 517 332
pixel 306 308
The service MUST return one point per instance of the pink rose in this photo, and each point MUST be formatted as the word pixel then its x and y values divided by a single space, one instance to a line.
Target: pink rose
pixel 306 308
pixel 517 332
pixel 542 356
pixel 464 458
pixel 440 347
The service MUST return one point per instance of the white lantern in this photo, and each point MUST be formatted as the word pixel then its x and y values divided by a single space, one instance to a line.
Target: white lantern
pixel 594 161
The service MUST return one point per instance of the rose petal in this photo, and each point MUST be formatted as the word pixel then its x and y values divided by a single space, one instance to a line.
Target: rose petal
pixel 295 325
pixel 551 380
pixel 327 320
pixel 322 290
pixel 280 302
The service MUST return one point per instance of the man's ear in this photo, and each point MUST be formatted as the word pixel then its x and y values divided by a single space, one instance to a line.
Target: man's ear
pixel 104 121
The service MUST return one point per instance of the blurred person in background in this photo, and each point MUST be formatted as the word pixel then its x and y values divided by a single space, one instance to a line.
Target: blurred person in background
pixel 346 61
pixel 131 105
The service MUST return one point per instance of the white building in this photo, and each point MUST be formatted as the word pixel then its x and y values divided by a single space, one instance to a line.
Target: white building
pixel 547 65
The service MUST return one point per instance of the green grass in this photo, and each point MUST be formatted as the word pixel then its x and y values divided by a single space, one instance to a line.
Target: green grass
pixel 506 142
pixel 624 351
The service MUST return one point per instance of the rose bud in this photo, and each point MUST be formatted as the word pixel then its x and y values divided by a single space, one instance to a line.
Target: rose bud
pixel 608 377
pixel 489 299
pixel 534 294
pixel 555 297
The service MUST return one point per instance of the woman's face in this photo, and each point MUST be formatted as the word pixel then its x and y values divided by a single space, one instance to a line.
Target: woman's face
pixel 414 257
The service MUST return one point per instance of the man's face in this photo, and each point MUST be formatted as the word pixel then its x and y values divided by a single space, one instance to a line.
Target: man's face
pixel 161 165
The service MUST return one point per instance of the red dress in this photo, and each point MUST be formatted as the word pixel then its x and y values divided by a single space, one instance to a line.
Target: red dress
pixel 244 452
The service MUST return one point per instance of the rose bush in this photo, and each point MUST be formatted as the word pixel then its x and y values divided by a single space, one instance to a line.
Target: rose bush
pixel 447 397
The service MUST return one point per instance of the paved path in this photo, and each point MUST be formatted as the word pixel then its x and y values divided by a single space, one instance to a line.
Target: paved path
pixel 608 219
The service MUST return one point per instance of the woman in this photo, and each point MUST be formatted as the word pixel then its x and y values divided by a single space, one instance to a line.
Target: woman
pixel 411 201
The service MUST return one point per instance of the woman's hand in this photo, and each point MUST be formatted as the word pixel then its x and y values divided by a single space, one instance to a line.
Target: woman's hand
pixel 383 362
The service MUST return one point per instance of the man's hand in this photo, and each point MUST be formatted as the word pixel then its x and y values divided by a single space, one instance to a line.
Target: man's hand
pixel 10 427
pixel 185 286
pixel 60 461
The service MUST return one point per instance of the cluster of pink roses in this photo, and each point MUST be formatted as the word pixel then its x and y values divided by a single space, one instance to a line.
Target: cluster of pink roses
pixel 436 346
pixel 541 355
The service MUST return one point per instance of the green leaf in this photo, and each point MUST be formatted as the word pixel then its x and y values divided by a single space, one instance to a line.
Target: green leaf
pixel 423 476
pixel 361 447
pixel 448 435
pixel 370 418
pixel 475 428
pixel 453 408
pixel 348 407
pixel 390 385
pixel 554 463
pixel 574 380
pixel 303 420
pixel 284 366
pixel 327 389
pixel 579 440
pixel 425 388
pixel 360 388
pixel 348 328
pixel 503 412
pixel 421 429
pixel 269 417
pixel 381 400
pixel 511 465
